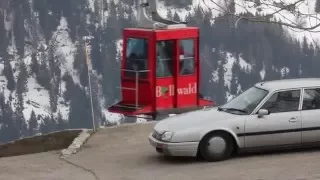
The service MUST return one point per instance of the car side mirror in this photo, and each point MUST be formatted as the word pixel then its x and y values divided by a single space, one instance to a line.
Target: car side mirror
pixel 263 112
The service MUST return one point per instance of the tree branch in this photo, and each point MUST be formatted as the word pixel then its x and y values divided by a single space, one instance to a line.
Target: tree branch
pixel 277 7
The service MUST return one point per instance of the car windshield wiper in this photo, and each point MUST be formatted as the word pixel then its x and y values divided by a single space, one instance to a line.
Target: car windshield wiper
pixel 232 109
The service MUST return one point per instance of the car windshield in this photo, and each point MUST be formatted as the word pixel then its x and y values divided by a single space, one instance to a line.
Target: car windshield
pixel 246 102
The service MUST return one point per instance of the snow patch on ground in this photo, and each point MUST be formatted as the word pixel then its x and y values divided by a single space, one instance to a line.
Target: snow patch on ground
pixel 76 144
pixel 113 118
pixel 141 121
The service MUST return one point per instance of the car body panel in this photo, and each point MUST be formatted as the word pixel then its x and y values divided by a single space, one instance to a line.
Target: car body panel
pixel 187 128
pixel 274 129
pixel 175 149
pixel 311 125
pixel 198 118
pixel 292 128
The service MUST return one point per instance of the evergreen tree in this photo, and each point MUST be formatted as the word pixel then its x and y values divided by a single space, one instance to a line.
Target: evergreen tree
pixel 33 124
pixel 43 77
pixel 257 3
pixel 232 6
pixel 113 26
pixel 178 4
pixel 80 63
pixel 8 72
pixel 70 86
pixel 266 46
pixel 20 123
pixel 307 58
pixel 7 131
pixel 109 81
pixel 49 18
pixel 53 96
pixel 207 68
pixel 80 111
pixel 176 17
pixel 96 55
pixel 22 84
pixel 169 15
pixel 317 6
pixel 3 37
pixel 234 79
pixel 19 30
pixel 61 123
pixel 48 125
pixel 34 64
pixel 221 91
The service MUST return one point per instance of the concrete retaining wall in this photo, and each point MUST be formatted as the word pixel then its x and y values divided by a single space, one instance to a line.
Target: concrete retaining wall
pixel 36 144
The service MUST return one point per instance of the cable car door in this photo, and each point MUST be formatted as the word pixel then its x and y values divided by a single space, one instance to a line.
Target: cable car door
pixel 186 82
pixel 165 93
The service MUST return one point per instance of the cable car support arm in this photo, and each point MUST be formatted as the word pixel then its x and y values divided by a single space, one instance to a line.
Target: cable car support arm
pixel 156 21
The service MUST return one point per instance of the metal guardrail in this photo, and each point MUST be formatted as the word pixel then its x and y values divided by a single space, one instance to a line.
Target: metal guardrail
pixel 136 89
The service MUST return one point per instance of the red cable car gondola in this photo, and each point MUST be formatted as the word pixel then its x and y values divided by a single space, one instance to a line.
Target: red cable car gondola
pixel 160 67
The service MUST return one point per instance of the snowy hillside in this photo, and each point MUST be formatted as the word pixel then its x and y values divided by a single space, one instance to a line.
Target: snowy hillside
pixel 37 98
pixel 304 8
pixel 305 16
pixel 43 55
pixel 266 7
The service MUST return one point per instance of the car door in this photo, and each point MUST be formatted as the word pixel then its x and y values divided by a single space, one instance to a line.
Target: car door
pixel 281 127
pixel 310 114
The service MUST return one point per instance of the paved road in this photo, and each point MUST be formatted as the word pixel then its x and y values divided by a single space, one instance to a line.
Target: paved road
pixel 125 154
pixel 42 166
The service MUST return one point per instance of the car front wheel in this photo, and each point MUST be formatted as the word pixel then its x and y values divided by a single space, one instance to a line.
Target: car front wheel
pixel 216 147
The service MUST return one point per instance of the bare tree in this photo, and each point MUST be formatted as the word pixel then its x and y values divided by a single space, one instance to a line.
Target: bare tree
pixel 295 14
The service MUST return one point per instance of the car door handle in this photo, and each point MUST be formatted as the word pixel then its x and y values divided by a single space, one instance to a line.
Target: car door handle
pixel 293 119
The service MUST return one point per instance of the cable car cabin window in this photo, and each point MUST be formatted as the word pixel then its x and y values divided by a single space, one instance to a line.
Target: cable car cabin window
pixel 186 56
pixel 164 58
pixel 137 57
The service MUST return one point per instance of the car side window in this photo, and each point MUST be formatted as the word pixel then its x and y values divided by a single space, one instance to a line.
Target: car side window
pixel 284 101
pixel 311 99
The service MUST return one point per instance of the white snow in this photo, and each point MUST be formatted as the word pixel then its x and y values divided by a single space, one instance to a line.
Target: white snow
pixel 268 7
pixel 284 71
pixel 141 121
pixel 76 144
pixel 66 48
pixel 263 73
pixel 119 44
pixel 91 4
pixel 37 98
pixel 228 68
pixel 113 118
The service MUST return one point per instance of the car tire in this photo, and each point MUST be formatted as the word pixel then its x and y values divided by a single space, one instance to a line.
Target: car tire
pixel 216 147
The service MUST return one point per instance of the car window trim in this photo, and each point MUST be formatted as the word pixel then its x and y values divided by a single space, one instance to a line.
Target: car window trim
pixel 271 93
pixel 308 88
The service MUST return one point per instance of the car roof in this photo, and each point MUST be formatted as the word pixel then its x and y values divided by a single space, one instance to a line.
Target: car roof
pixel 289 84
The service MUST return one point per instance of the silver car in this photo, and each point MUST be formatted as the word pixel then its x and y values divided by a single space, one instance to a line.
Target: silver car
pixel 269 115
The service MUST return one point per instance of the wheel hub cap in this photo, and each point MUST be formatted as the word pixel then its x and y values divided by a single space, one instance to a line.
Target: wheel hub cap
pixel 216 145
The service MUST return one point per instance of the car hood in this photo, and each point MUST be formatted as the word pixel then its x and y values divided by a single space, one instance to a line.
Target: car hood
pixel 199 118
